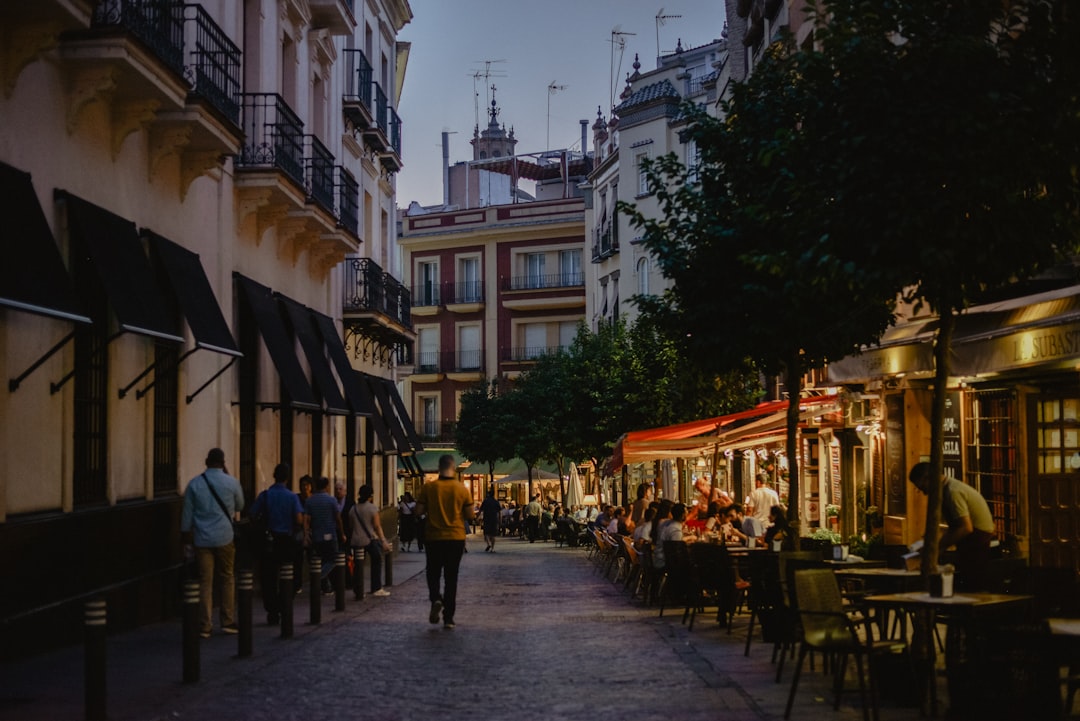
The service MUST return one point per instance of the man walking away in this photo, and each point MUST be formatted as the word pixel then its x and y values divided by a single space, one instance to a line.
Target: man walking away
pixel 280 511
pixel 322 524
pixel 762 498
pixel 212 501
pixel 490 513
pixel 448 505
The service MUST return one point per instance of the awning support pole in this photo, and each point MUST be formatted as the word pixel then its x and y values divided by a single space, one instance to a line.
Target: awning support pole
pixel 188 399
pixel 13 384
pixel 55 387
pixel 140 393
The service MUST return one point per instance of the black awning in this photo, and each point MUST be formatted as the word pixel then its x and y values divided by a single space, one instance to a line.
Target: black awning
pixel 109 245
pixel 356 391
pixel 303 325
pixel 403 416
pixel 32 277
pixel 188 281
pixel 282 351
pixel 400 442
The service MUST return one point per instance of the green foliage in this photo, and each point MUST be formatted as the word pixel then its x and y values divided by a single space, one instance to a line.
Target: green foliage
pixel 481 433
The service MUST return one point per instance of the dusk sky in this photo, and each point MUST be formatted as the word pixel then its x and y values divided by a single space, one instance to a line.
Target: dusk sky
pixel 530 46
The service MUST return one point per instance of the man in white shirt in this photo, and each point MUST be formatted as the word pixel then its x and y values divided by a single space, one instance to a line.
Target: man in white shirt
pixel 763 498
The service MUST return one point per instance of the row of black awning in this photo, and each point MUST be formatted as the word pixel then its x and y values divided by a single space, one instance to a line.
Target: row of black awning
pixel 142 291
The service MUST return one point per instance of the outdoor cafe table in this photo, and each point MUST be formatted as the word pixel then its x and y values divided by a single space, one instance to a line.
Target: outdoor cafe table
pixel 968 614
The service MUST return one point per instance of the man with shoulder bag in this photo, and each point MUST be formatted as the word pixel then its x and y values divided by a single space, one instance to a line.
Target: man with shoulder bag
pixel 212 503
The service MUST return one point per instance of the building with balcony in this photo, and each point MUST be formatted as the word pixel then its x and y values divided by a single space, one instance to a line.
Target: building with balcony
pixel 189 189
pixel 493 286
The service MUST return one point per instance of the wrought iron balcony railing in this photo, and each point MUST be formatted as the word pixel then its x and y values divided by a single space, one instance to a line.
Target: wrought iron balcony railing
pixel 431 430
pixel 428 362
pixel 348 194
pixel 542 281
pixel 157 24
pixel 470 291
pixel 394 123
pixel 212 62
pixel 531 353
pixel 368 287
pixel 320 173
pixel 605 242
pixel 359 87
pixel 273 136
pixel 468 360
pixel 426 295
pixel 382 105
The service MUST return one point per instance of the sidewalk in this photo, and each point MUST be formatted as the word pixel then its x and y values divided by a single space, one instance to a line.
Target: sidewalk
pixel 540 636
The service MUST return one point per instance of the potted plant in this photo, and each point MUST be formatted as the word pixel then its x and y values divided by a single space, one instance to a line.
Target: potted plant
pixel 832 514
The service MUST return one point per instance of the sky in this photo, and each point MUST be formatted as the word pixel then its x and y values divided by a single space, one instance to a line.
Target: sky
pixel 524 47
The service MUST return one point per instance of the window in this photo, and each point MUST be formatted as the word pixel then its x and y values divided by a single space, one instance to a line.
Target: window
pixel 991 457
pixel 535 340
pixel 567 333
pixel 534 270
pixel 643 276
pixel 469 348
pixel 429 417
pixel 570 267
pixel 428 289
pixel 91 408
pixel 643 180
pixel 1058 435
pixel 693 160
pixel 469 280
pixel 166 358
pixel 427 360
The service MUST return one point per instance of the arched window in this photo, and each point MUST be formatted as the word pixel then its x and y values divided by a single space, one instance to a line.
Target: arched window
pixel 643 276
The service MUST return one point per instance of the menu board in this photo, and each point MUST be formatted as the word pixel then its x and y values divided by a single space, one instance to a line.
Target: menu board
pixel 834 471
pixel 895 482
pixel 952 456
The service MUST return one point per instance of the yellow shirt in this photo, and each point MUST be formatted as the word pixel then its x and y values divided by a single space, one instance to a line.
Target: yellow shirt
pixel 447 503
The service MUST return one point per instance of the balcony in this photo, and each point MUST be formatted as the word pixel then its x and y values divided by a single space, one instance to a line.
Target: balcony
pixel 470 292
pixel 433 431
pixel 158 26
pixel 377 134
pixel 426 295
pixel 376 308
pixel 524 354
pixel 391 159
pixel 356 101
pixel 337 16
pixel 348 194
pixel 319 169
pixel 605 242
pixel 537 281
pixel 212 63
pixel 274 137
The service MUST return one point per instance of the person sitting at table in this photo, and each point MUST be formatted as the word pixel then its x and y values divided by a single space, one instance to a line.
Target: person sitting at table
pixel 712 518
pixel 780 529
pixel 642 535
pixel 619 525
pixel 670 529
pixel 971 527
pixel 731 527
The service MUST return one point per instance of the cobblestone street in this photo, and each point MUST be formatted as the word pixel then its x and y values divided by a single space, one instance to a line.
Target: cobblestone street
pixel 540 635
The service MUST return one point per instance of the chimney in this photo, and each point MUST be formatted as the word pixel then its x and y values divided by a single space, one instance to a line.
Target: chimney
pixel 584 138
pixel 446 168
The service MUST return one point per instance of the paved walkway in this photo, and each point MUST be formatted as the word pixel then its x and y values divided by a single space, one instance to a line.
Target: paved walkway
pixel 539 636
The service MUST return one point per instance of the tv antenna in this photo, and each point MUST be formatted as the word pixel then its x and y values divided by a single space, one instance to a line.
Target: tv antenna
pixel 618 40
pixel 660 20
pixel 552 89
pixel 487 73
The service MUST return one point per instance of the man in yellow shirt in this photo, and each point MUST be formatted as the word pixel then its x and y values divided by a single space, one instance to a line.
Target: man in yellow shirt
pixel 448 506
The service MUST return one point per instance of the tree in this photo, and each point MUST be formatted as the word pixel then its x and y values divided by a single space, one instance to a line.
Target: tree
pixel 482 434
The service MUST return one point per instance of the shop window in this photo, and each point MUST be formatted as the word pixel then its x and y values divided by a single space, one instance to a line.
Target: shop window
pixel 1058 435
pixel 90 428
pixel 991 455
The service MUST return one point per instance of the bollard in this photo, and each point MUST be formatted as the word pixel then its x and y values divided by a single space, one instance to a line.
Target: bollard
pixel 339 582
pixel 285 596
pixel 388 565
pixel 316 591
pixel 191 631
pixel 94 671
pixel 245 596
pixel 358 573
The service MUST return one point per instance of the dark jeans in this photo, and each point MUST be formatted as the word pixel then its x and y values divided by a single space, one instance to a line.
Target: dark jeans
pixel 326 551
pixel 532 527
pixel 374 553
pixel 281 551
pixel 444 560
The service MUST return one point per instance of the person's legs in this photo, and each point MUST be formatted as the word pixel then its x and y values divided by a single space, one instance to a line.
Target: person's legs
pixel 225 561
pixel 454 551
pixel 436 558
pixel 205 559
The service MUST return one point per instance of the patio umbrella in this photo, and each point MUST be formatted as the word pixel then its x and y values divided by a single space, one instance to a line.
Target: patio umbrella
pixel 574 495
pixel 538 474
pixel 668 474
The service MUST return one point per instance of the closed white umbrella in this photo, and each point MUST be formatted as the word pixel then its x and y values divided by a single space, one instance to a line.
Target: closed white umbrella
pixel 575 496
pixel 668 474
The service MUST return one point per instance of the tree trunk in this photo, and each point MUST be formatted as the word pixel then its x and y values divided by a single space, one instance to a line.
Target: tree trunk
pixel 793 381
pixel 942 352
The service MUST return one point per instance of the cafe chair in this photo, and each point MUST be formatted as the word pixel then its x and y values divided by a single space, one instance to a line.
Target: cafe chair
pixel 714 579
pixel 827 627
pixel 632 578
pixel 676 582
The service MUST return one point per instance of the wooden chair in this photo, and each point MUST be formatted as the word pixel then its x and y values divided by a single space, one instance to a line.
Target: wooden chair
pixel 827 628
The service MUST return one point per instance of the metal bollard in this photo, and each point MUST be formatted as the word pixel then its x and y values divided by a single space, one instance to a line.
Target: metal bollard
pixel 315 602
pixel 94 659
pixel 191 631
pixel 388 566
pixel 245 587
pixel 285 595
pixel 358 573
pixel 339 582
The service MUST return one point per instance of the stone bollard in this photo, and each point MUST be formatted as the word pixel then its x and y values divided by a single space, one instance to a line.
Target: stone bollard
pixel 94 659
pixel 339 582
pixel 285 595
pixel 315 601
pixel 358 573
pixel 191 631
pixel 388 567
pixel 245 597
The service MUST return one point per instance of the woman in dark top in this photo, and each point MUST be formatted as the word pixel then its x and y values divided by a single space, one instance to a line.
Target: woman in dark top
pixel 780 528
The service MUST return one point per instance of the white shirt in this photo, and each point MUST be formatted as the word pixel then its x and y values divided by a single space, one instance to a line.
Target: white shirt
pixel 762 499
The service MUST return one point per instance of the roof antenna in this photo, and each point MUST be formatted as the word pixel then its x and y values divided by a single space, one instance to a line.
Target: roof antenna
pixel 618 40
pixel 660 18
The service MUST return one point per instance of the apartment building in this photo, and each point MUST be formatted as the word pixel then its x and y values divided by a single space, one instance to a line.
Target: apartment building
pixel 191 189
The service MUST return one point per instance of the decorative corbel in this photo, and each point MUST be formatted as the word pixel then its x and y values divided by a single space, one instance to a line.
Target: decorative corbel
pixel 195 164
pixel 269 216
pixel 129 116
pixel 89 83
pixel 24 47
pixel 167 140
pixel 250 201
pixel 293 236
